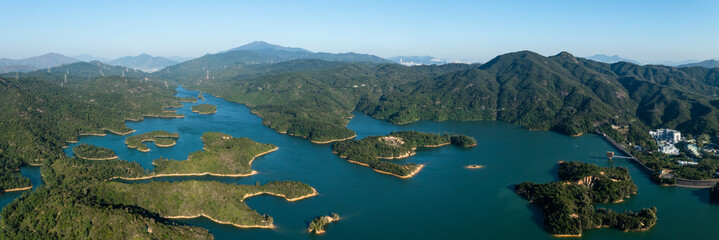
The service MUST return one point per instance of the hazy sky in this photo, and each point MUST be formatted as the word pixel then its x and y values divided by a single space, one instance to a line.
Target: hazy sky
pixel 651 31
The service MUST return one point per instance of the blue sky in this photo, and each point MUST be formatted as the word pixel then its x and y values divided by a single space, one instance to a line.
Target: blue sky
pixel 473 30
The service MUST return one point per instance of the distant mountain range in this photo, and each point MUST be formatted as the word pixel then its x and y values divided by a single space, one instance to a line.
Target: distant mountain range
pixel 261 45
pixel 610 59
pixel 711 63
pixel 253 54
pixel 32 63
pixel 179 59
pixel 83 70
pixel 143 62
pixel 90 58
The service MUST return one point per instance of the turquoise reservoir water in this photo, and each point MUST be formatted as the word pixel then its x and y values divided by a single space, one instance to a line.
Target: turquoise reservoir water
pixel 443 201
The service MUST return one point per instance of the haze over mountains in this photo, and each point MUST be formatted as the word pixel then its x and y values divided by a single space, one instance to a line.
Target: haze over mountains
pixel 417 60
pixel 610 59
pixel 32 63
pixel 711 63
pixel 260 52
pixel 143 62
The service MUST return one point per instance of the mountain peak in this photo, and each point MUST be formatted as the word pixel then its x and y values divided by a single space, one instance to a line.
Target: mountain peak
pixel 262 45
pixel 567 56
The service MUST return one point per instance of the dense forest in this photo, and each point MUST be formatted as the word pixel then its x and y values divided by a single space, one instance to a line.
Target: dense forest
pixel 222 155
pixel 314 98
pixel 312 95
pixel 370 150
pixel 92 152
pixel 222 202
pixel 567 204
pixel 40 112
pixel 78 201
pixel 68 211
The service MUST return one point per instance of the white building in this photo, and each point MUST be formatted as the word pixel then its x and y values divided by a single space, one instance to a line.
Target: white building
pixel 668 148
pixel 666 138
pixel 667 135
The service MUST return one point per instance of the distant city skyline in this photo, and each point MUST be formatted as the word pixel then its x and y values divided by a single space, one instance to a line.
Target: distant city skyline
pixel 645 31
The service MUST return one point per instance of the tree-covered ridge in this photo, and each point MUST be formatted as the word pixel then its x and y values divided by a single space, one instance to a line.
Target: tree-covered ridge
pixel 76 171
pixel 313 102
pixel 61 208
pixel 62 213
pixel 78 201
pixel 222 155
pixel 221 202
pixel 160 137
pixel 567 204
pixel 370 150
pixel 92 152
pixel 562 93
pixel 204 108
pixel 82 71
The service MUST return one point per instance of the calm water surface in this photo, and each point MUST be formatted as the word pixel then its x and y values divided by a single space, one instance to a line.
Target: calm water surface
pixel 444 200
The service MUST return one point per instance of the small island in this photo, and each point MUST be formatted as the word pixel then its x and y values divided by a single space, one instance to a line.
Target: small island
pixel 223 155
pixel 201 96
pixel 92 152
pixel 463 141
pixel 161 139
pixel 567 204
pixel 318 225
pixel 223 203
pixel 204 109
pixel 396 145
pixel 474 166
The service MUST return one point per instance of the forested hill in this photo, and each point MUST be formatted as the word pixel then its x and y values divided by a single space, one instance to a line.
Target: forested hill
pixel 80 71
pixel 562 93
pixel 315 103
pixel 37 116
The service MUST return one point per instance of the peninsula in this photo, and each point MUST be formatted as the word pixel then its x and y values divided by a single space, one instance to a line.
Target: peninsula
pixel 161 139
pixel 223 155
pixel 204 109
pixel 220 202
pixel 567 204
pixel 368 151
